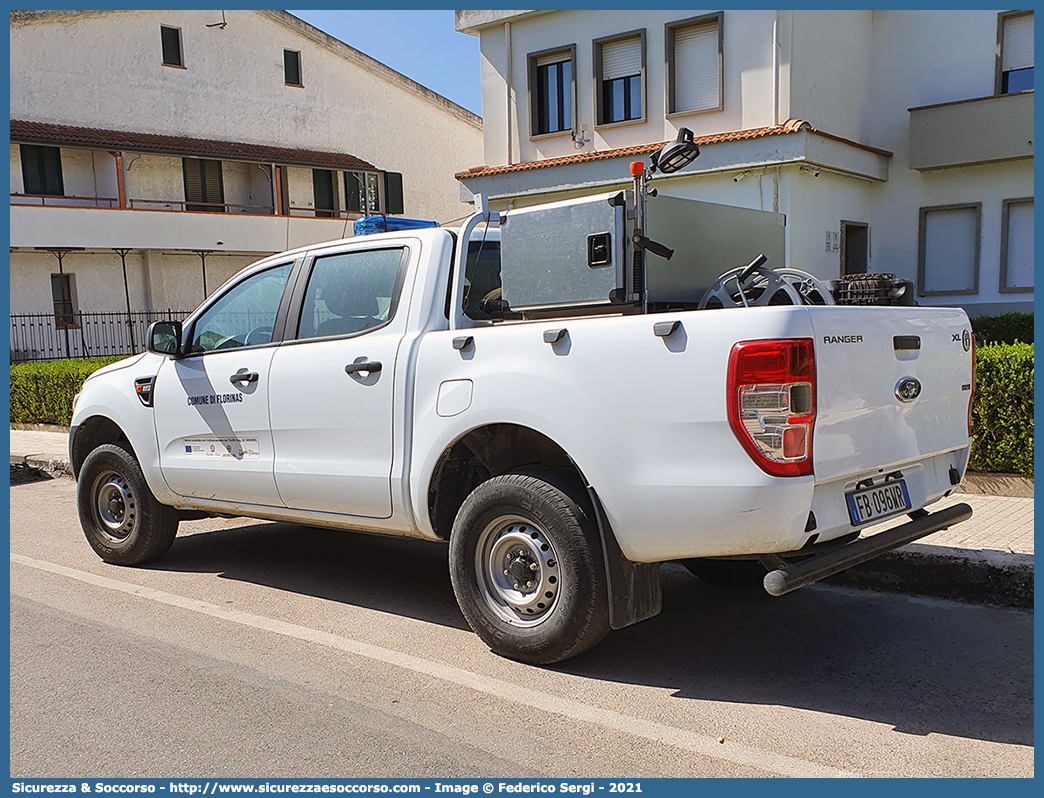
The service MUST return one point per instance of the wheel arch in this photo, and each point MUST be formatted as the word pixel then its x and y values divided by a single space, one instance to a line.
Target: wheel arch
pixel 91 433
pixel 488 451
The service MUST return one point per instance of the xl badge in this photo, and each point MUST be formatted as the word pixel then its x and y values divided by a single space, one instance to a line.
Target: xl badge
pixel 907 389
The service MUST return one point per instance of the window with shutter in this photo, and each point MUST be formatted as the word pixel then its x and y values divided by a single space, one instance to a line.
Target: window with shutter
pixel 363 192
pixel 1017 246
pixel 620 69
pixel 1016 61
pixel 170 39
pixel 204 187
pixel 292 67
pixel 41 170
pixel 354 196
pixel 694 65
pixel 393 199
pixel 323 193
pixel 63 293
pixel 551 91
pixel 948 261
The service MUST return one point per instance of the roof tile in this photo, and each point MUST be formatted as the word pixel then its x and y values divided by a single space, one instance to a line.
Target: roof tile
pixel 68 135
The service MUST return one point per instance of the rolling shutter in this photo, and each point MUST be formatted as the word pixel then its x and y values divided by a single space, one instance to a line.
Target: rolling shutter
pixel 1017 49
pixel 695 74
pixel 621 59
pixel 1019 261
pixel 292 67
pixel 950 249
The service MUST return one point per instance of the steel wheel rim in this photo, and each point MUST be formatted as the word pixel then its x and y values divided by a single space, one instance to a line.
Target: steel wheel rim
pixel 114 506
pixel 525 596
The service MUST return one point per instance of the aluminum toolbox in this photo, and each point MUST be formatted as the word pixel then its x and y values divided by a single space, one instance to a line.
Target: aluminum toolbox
pixel 563 254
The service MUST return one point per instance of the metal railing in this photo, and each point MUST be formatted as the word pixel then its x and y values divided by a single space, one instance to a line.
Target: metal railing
pixel 45 336
pixel 113 203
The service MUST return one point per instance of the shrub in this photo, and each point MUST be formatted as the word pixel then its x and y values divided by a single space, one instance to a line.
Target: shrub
pixel 1007 328
pixel 1002 411
pixel 42 393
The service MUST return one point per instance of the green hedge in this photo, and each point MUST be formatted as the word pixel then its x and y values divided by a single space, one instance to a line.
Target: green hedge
pixel 42 393
pixel 1002 413
pixel 1007 328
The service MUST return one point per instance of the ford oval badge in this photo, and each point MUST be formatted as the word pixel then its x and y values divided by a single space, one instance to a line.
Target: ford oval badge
pixel 907 389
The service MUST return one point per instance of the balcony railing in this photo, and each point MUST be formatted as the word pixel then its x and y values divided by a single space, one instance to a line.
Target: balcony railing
pixel 43 336
pixel 178 206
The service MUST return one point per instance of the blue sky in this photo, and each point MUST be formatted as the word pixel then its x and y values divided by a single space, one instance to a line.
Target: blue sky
pixel 423 45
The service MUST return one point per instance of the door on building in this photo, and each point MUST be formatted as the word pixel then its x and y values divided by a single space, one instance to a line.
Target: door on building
pixel 323 192
pixel 855 247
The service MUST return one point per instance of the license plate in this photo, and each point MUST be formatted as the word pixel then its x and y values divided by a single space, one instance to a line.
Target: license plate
pixel 878 502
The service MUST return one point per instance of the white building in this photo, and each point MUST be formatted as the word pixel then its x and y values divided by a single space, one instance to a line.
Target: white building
pixel 894 141
pixel 195 142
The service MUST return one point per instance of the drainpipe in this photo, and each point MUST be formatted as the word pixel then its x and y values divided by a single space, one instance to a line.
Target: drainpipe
pixel 775 69
pixel 509 78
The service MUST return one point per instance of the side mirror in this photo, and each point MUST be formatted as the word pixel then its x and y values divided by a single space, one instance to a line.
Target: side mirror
pixel 164 338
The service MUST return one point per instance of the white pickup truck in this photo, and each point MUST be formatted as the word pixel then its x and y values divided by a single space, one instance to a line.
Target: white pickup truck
pixel 362 384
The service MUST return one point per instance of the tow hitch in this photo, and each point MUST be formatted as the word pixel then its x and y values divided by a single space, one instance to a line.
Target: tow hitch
pixel 788 576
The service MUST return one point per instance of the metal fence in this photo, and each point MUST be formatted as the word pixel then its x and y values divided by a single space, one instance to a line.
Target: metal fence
pixel 44 336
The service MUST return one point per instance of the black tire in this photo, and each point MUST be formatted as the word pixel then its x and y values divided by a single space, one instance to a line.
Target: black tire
pixel 737 574
pixel 512 522
pixel 121 519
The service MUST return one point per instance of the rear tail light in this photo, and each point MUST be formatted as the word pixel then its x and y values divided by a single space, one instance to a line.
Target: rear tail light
pixel 772 403
pixel 971 396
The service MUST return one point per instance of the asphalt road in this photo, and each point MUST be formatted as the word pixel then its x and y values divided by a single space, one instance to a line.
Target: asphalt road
pixel 274 650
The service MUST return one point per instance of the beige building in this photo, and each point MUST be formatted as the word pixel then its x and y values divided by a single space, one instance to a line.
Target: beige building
pixel 894 141
pixel 154 153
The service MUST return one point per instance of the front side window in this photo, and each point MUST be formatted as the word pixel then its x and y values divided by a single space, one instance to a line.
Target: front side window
pixel 170 40
pixel 42 170
pixel 620 78
pixel 551 90
pixel 694 81
pixel 1016 56
pixel 244 315
pixel 351 292
pixel 949 249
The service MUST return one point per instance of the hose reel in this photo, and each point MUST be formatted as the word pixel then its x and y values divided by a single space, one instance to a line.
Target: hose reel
pixel 756 285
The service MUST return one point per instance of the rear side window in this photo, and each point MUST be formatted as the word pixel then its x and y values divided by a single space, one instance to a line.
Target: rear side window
pixel 351 292
pixel 244 315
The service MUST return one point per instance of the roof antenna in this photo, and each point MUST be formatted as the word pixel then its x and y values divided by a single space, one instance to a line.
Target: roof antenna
pixel 220 24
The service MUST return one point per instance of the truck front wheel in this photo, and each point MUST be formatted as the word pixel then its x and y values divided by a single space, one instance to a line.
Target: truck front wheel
pixel 122 520
pixel 527 569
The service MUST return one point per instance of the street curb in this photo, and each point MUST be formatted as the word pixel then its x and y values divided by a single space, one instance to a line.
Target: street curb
pixel 982 484
pixel 981 576
pixel 54 465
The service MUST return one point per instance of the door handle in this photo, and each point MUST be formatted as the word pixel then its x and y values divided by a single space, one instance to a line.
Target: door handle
pixel 371 366
pixel 243 376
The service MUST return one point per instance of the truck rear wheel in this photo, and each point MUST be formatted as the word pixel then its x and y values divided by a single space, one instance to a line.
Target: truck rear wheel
pixel 122 520
pixel 527 569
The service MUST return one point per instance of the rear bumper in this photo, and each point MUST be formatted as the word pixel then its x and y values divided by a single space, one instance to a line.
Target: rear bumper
pixel 790 576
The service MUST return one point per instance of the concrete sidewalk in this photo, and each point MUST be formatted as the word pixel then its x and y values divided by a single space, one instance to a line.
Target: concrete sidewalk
pixel 988 558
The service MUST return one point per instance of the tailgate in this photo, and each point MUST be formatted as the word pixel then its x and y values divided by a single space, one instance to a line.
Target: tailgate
pixel 862 356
